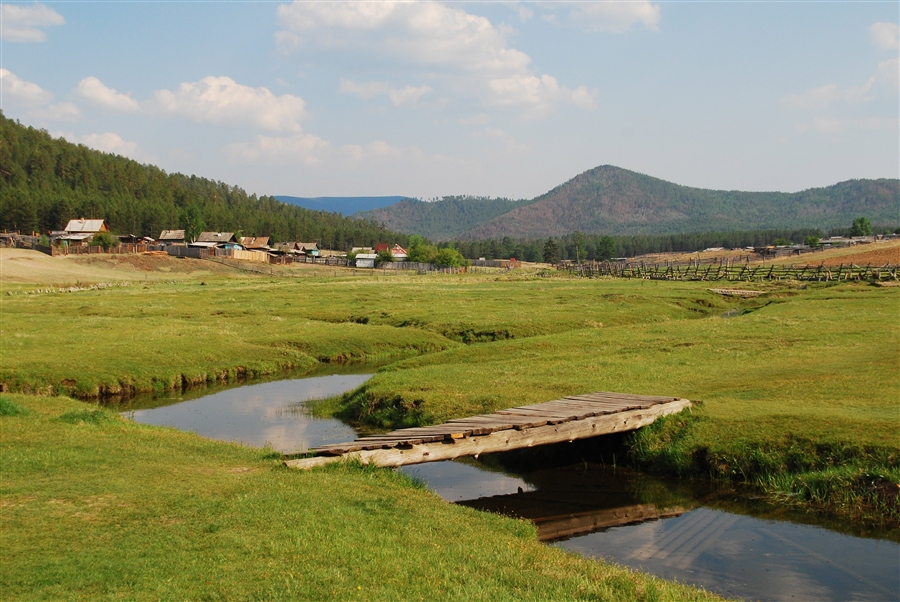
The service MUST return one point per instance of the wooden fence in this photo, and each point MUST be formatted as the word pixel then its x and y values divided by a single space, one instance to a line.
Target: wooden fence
pixel 732 272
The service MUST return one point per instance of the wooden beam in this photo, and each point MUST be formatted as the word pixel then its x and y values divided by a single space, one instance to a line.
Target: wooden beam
pixel 504 440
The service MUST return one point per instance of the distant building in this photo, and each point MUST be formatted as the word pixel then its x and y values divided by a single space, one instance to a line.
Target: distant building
pixel 365 260
pixel 397 251
pixel 171 237
pixel 221 240
pixel 255 242
pixel 82 230
pixel 310 249
pixel 86 226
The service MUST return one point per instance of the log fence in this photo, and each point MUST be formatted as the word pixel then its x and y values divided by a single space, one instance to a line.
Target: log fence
pixel 734 271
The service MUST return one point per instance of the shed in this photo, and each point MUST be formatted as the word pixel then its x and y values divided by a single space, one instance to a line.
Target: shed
pixel 365 260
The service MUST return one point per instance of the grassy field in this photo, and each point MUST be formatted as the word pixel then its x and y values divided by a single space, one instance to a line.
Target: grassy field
pixel 798 393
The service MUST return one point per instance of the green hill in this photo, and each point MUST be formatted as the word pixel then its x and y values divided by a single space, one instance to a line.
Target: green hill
pixel 46 181
pixel 444 219
pixel 608 200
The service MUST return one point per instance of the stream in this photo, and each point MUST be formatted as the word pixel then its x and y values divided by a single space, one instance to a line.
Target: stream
pixel 721 539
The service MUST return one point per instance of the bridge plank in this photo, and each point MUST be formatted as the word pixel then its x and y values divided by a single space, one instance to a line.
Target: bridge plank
pixel 556 413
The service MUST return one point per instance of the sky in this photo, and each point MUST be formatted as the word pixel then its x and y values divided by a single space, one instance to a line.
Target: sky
pixel 501 99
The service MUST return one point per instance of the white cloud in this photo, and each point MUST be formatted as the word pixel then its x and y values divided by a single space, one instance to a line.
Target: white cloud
pixel 889 73
pixel 61 111
pixel 95 92
pixel 479 119
pixel 364 90
pixel 815 99
pixel 24 23
pixel 608 17
pixel 110 142
pixel 823 97
pixel 21 91
pixel 829 125
pixel 35 100
pixel 222 101
pixel 448 40
pixel 541 93
pixel 311 150
pixel 885 36
pixel 306 149
pixel 502 136
pixel 408 95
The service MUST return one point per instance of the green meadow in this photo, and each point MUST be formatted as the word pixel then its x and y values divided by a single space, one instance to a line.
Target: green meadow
pixel 796 392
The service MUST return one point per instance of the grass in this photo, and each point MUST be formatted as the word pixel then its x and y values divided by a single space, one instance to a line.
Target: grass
pixel 94 506
pixel 799 392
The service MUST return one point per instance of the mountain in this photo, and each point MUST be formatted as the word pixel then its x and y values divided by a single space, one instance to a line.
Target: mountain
pixel 441 220
pixel 345 205
pixel 609 200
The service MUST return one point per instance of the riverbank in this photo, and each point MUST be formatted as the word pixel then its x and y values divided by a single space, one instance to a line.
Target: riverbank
pixel 95 506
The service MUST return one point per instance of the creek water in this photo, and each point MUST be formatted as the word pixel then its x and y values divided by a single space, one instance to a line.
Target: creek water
pixel 720 539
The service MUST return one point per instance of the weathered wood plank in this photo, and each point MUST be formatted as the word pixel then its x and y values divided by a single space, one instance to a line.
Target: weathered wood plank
pixel 504 440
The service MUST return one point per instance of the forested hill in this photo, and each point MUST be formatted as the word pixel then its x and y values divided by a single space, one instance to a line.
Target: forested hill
pixel 444 219
pixel 609 200
pixel 345 205
pixel 46 181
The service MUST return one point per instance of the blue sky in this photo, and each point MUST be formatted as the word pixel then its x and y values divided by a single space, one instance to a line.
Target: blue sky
pixel 436 98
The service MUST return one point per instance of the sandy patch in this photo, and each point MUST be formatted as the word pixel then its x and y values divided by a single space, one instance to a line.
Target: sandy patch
pixel 26 267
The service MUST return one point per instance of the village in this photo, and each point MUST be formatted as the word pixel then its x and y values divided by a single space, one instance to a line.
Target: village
pixel 85 236
pixel 92 236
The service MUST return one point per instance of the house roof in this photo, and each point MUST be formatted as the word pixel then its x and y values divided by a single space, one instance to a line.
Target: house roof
pixel 395 249
pixel 256 242
pixel 216 237
pixel 172 235
pixel 307 245
pixel 86 225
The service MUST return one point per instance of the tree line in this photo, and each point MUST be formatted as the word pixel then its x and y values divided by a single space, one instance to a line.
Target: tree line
pixel 592 247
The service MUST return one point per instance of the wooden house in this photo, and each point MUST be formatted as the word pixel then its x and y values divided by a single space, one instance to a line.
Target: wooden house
pixel 221 240
pixel 82 230
pixel 310 249
pixel 172 237
pixel 255 242
pixel 398 252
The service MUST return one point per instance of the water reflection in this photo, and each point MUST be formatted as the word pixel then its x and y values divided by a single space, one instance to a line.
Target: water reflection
pixel 266 414
pixel 679 530
pixel 747 557
pixel 465 480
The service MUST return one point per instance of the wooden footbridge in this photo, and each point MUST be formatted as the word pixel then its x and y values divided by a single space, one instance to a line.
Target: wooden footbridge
pixel 562 420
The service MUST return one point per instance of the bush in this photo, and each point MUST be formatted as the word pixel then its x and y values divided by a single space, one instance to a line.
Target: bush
pixel 449 258
pixel 384 256
pixel 105 240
